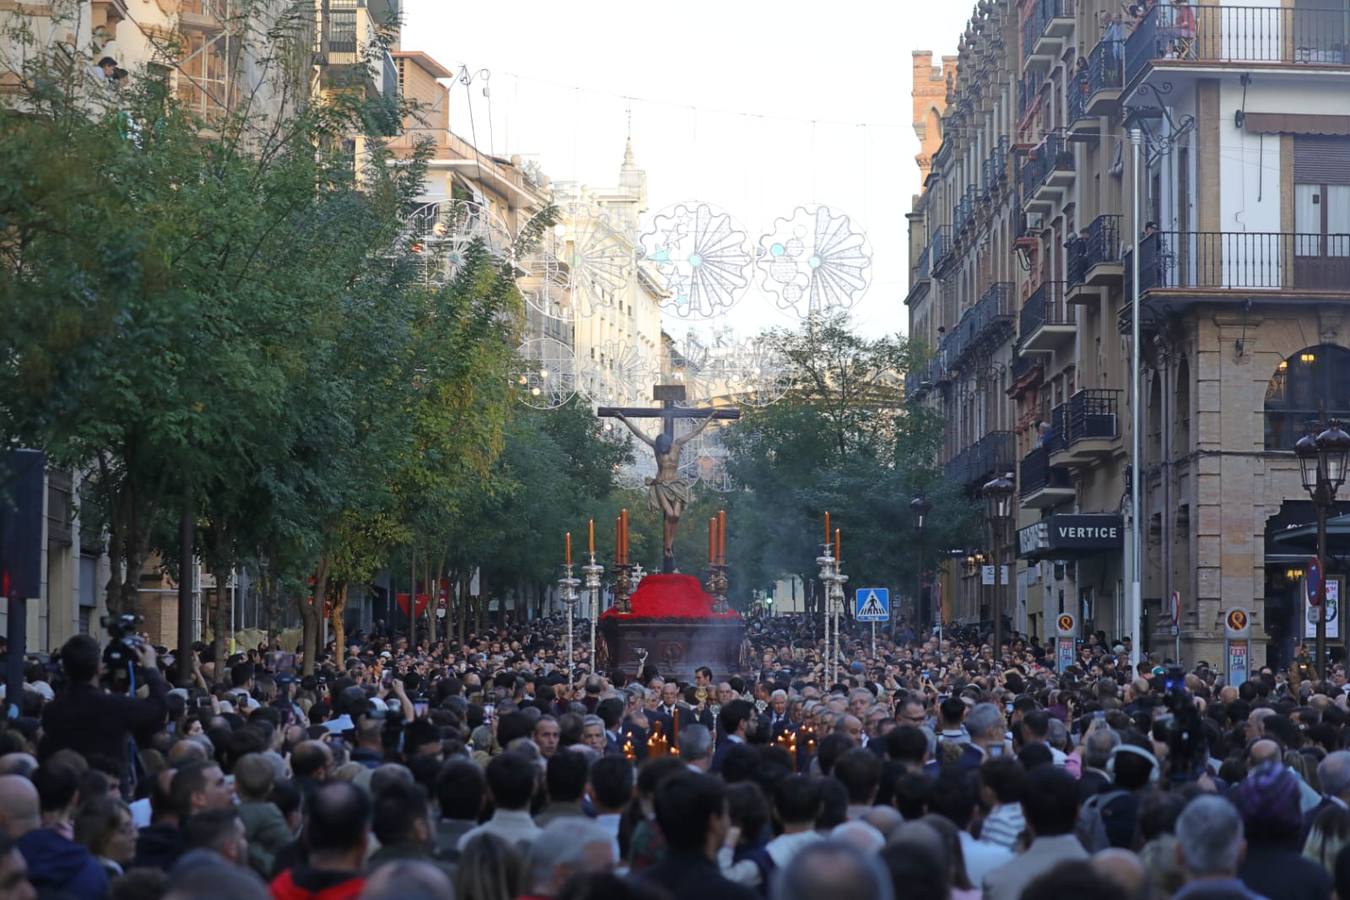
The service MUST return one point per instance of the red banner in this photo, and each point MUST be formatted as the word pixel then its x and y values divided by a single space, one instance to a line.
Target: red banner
pixel 422 600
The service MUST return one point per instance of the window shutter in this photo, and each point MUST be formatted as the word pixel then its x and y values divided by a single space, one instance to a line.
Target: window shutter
pixel 1321 159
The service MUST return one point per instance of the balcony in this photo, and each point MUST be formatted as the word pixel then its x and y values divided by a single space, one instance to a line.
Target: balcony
pixel 1048 26
pixel 1175 40
pixel 1220 261
pixel 928 376
pixel 941 247
pixel 1095 89
pixel 920 272
pixel 1047 321
pixel 1086 428
pixel 984 326
pixel 963 215
pixel 1047 174
pixel 974 466
pixel 1042 484
pixel 1094 259
pixel 345 42
pixel 1028 93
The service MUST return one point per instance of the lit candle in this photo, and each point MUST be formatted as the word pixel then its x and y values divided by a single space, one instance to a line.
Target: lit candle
pixel 590 529
pixel 827 527
pixel 838 553
pixel 712 542
pixel 568 544
pixel 722 537
pixel 623 518
pixel 618 542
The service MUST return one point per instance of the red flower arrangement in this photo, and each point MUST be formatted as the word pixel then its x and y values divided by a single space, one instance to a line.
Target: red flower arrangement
pixel 670 597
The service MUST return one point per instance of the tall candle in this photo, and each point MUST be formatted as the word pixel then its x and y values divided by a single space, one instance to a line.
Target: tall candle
pixel 712 542
pixel 623 520
pixel 590 535
pixel 827 526
pixel 618 541
pixel 722 537
pixel 838 552
pixel 568 538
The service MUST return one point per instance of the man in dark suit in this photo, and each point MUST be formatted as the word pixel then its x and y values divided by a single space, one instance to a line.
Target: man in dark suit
pixel 610 711
pixel 692 812
pixel 778 714
pixel 94 723
pixel 696 712
pixel 734 721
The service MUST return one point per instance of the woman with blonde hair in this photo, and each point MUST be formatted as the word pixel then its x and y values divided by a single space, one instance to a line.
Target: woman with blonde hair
pixel 1330 832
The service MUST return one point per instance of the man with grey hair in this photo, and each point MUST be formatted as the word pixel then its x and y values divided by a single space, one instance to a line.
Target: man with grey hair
pixel 1097 747
pixel 985 725
pixel 1333 774
pixel 1210 845
pixel 835 870
pixel 696 747
pixel 568 846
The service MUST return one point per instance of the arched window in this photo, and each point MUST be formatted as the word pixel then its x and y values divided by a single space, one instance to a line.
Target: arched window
pixel 1309 386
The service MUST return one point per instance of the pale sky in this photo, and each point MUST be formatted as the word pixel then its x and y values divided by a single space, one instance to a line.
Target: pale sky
pixel 723 97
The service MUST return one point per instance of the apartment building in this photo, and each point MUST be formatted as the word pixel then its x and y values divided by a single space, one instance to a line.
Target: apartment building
pixel 1243 236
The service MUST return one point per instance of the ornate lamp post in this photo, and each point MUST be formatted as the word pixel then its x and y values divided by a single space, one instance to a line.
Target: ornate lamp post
pixel 1322 464
pixel 568 585
pixel 998 497
pixel 920 507
pixel 591 572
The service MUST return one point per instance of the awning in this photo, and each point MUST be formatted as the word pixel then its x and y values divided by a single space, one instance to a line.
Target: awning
pixel 1072 536
pixel 1304 537
pixel 1296 123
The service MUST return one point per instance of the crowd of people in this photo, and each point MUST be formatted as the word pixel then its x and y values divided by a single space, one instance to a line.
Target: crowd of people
pixel 494 770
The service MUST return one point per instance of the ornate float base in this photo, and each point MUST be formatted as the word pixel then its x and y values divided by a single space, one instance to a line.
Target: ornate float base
pixel 673 625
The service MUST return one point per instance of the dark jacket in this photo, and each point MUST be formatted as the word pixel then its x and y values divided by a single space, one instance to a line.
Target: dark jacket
pixel 305 883
pixel 93 722
pixel 689 876
pixel 448 833
pixel 1274 871
pixel 57 865
pixel 158 847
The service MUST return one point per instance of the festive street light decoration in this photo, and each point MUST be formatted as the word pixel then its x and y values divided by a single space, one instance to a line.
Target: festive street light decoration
pixel 439 237
pixel 703 257
pixel 600 260
pixel 546 373
pixel 815 261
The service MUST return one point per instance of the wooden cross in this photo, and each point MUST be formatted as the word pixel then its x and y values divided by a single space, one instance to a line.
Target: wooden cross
pixel 667 395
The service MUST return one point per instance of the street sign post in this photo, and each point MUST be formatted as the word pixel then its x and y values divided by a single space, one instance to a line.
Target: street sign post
pixel 1237 641
pixel 1066 630
pixel 872 605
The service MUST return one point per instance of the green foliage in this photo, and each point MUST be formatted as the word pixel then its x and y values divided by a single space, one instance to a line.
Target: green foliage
pixel 843 440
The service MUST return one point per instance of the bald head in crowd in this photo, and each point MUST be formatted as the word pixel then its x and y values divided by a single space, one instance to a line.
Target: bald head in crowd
pixel 20 811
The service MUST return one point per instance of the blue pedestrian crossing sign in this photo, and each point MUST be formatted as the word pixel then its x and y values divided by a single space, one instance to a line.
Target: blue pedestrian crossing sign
pixel 872 605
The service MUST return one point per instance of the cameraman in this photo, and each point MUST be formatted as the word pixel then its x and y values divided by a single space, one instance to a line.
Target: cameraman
pixel 93 722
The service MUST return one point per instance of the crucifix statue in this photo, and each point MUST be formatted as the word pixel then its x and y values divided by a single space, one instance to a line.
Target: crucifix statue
pixel 668 493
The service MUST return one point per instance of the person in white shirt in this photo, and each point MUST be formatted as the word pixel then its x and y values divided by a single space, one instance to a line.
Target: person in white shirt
pixel 610 789
pixel 511 780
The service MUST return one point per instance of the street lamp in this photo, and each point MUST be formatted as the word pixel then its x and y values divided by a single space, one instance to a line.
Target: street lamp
pixel 1322 464
pixel 920 507
pixel 998 498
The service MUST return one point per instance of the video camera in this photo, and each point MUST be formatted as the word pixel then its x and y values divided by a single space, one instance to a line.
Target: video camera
pixel 121 653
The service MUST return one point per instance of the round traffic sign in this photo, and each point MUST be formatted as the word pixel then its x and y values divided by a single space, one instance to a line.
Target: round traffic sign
pixel 1237 619
pixel 1065 623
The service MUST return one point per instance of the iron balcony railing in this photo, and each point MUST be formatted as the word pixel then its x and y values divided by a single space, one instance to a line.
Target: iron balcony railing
pixel 1021 364
pixel 975 465
pixel 1053 155
pixel 1029 89
pixel 988 322
pixel 1038 21
pixel 1224 260
pixel 1037 473
pixel 1090 414
pixel 1045 306
pixel 941 246
pixel 1104 70
pixel 1100 243
pixel 1271 35
pixel 962 215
